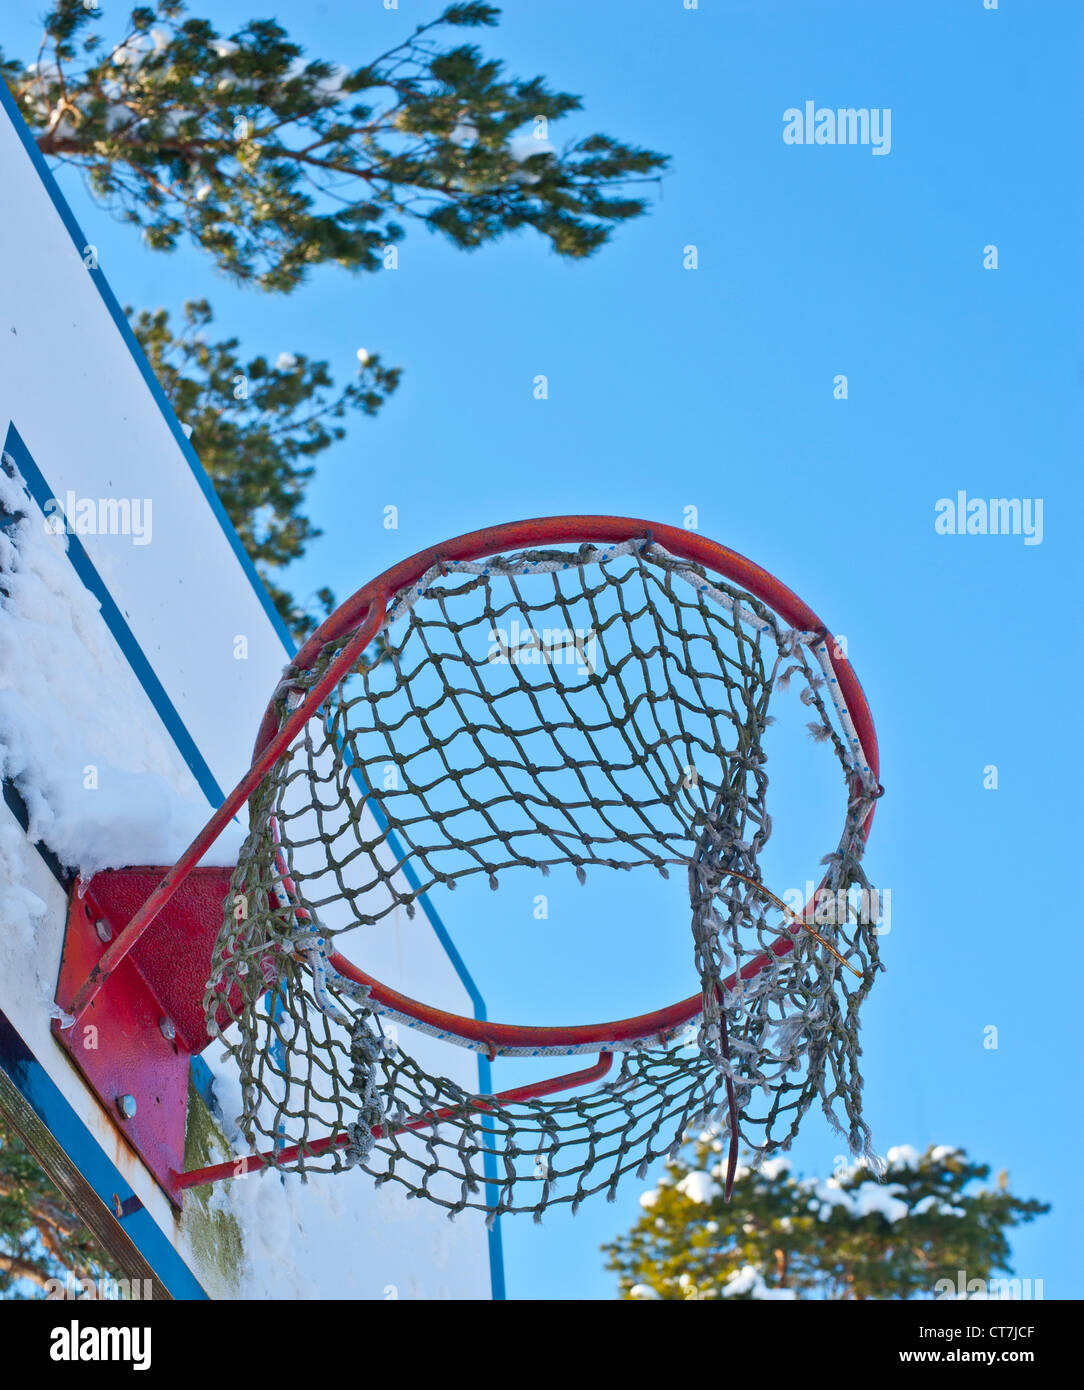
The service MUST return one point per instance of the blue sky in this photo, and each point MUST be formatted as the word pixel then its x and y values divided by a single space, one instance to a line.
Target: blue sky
pixel 714 388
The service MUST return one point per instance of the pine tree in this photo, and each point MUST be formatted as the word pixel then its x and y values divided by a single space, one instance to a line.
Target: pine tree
pixel 40 1238
pixel 257 426
pixel 274 163
pixel 847 1237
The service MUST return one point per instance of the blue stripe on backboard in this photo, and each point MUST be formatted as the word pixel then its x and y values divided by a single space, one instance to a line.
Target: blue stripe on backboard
pixel 203 1081
pixel 41 493
pixel 184 741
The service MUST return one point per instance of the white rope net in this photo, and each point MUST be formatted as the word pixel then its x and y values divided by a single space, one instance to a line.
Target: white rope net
pixel 599 708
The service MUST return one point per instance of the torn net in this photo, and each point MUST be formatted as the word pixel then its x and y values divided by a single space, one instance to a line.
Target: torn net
pixel 601 707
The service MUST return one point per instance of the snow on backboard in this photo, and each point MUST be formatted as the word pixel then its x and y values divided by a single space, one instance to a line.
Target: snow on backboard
pixel 139 650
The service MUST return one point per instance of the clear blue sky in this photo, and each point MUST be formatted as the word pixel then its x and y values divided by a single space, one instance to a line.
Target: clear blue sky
pixel 714 388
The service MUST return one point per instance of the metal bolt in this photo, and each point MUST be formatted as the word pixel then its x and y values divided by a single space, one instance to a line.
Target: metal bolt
pixel 169 1029
pixel 126 1105
pixel 104 930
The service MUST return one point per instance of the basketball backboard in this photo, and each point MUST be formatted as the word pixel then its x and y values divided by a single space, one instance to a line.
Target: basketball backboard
pixel 139 652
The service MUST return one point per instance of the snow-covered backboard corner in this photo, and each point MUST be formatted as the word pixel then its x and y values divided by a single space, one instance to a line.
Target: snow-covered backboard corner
pixel 138 650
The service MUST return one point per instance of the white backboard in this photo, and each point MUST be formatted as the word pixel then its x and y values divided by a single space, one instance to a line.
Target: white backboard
pixel 139 652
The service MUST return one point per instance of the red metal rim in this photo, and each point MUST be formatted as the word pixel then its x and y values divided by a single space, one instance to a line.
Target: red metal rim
pixel 523 1038
pixel 574 530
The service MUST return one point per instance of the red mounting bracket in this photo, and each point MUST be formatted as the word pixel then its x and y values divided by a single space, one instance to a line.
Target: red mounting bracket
pixel 144 1022
pixel 134 1041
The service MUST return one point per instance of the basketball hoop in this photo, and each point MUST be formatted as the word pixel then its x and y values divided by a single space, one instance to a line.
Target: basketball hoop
pixel 556 696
